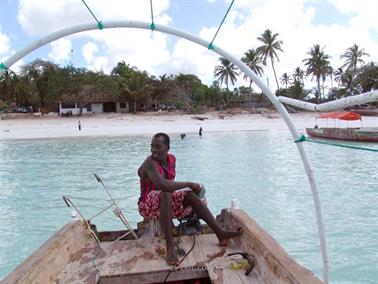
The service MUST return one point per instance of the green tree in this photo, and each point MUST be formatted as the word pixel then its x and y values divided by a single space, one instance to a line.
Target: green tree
pixel 163 89
pixel 269 49
pixel 226 72
pixel 253 60
pixel 185 86
pixel 80 85
pixel 39 73
pixel 214 95
pixel 16 89
pixel 298 75
pixel 367 77
pixel 318 66
pixel 353 56
pixel 137 87
pixel 285 79
pixel 123 70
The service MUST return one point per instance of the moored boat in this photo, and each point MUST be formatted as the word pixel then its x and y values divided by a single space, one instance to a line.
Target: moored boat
pixel 363 134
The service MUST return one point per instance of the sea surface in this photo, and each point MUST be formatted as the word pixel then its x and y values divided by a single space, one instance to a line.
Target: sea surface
pixel 262 169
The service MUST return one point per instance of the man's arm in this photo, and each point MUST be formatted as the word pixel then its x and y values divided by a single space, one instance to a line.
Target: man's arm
pixel 163 184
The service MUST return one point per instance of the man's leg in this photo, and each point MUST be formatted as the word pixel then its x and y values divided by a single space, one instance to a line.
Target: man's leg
pixel 166 226
pixel 191 199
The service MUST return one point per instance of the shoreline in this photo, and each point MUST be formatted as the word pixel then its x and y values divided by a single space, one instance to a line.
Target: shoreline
pixel 26 127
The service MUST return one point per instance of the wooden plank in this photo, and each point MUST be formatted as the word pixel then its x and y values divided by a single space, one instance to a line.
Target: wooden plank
pixel 46 263
pixel 219 265
pixel 273 264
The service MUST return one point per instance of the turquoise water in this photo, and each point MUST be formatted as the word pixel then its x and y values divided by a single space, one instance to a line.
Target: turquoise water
pixel 262 169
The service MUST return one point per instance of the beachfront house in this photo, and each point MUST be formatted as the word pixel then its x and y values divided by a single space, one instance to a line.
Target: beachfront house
pixel 95 103
pixel 93 107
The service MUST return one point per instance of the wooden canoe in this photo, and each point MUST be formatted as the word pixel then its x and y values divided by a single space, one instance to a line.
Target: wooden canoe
pixel 72 255
pixel 363 134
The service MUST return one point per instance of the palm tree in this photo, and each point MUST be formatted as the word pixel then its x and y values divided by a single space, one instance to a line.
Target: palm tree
pixel 253 60
pixel 353 57
pixel 338 74
pixel 163 89
pixel 136 87
pixel 285 79
pixel 269 49
pixel 298 75
pixel 226 72
pixel 317 66
pixel 39 73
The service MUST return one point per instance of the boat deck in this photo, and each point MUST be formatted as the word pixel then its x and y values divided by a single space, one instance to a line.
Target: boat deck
pixel 143 260
pixel 72 255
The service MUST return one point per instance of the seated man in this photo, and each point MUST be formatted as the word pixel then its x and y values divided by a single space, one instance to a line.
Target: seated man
pixel 160 198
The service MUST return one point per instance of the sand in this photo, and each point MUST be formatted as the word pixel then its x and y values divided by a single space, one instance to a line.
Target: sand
pixel 26 126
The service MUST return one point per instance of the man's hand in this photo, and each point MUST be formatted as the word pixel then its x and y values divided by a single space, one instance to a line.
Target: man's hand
pixel 196 187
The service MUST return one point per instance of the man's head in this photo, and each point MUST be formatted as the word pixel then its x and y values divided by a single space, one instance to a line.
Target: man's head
pixel 160 146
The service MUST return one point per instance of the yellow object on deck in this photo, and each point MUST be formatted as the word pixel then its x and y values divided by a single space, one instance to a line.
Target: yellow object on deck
pixel 239 264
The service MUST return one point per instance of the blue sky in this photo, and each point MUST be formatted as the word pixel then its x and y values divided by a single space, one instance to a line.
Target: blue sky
pixel 334 24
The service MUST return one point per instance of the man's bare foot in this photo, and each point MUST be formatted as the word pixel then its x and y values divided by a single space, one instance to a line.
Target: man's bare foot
pixel 172 258
pixel 225 236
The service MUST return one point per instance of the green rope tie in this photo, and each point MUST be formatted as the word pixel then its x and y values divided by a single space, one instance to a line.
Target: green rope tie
pixel 301 139
pixel 2 66
pixel 304 138
pixel 100 25
pixel 152 26
pixel 210 46
pixel 342 145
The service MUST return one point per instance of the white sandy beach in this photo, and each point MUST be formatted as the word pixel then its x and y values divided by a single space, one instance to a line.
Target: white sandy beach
pixel 29 127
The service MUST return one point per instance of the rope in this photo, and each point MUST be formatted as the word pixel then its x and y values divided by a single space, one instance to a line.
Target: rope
pixel 100 25
pixel 210 46
pixel 304 138
pixel 152 26
pixel 170 271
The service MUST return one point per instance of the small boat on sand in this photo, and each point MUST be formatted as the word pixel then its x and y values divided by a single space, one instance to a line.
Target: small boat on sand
pixel 363 134
pixel 73 255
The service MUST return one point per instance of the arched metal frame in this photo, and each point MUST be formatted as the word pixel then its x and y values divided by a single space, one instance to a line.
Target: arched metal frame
pixel 193 38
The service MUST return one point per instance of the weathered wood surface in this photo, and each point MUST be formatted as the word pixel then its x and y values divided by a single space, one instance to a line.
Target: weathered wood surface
pixel 46 263
pixel 367 134
pixel 72 256
pixel 273 264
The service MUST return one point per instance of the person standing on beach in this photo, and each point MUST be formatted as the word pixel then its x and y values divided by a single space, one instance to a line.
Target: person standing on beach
pixel 200 131
pixel 79 125
pixel 160 198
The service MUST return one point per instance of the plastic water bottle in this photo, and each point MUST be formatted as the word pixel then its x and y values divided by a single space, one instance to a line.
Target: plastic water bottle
pixel 235 203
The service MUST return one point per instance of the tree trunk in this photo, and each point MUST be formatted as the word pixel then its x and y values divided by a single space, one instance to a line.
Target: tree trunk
pixel 227 94
pixel 275 75
pixel 135 106
pixel 80 108
pixel 318 83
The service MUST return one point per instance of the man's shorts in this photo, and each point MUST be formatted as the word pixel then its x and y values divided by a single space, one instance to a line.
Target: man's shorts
pixel 150 207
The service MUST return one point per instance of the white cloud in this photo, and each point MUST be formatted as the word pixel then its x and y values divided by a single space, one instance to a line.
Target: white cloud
pixel 61 50
pixel 89 50
pixel 145 49
pixel 363 14
pixel 293 20
pixel 4 44
pixel 249 19
pixel 188 57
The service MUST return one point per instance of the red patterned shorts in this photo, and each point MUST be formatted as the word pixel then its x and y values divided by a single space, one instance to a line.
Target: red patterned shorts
pixel 150 207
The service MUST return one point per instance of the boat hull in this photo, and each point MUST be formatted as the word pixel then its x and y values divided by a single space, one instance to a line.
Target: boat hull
pixel 73 256
pixel 367 134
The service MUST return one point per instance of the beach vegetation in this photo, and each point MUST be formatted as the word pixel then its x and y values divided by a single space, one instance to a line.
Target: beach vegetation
pixel 269 48
pixel 44 86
